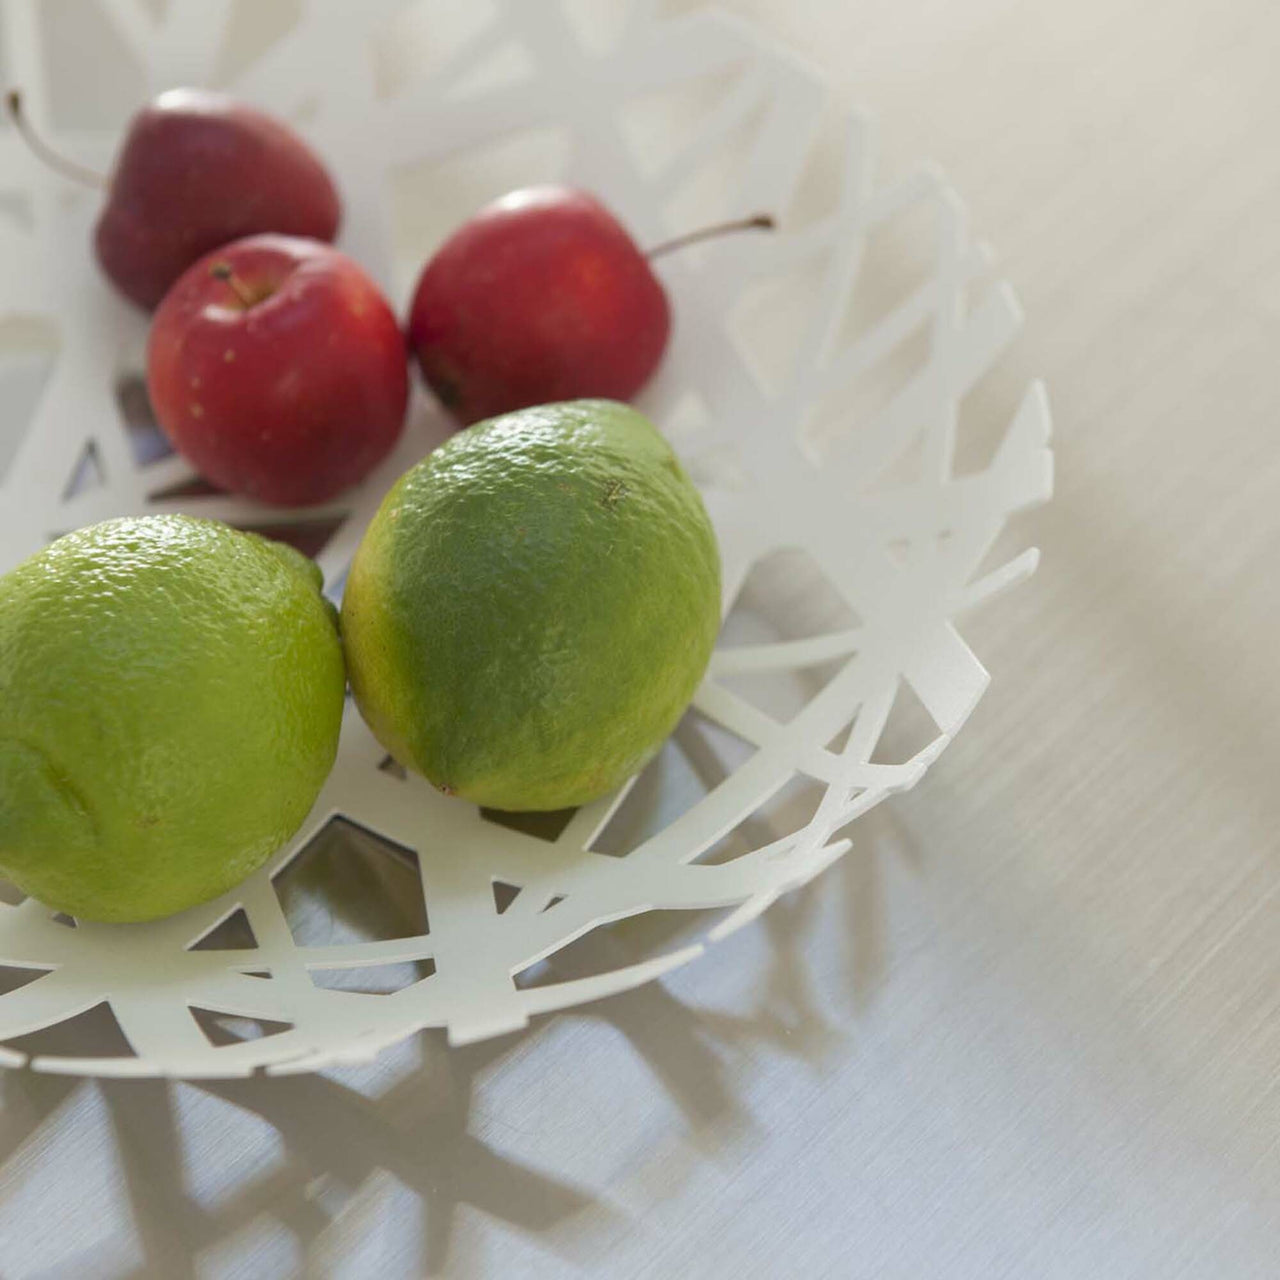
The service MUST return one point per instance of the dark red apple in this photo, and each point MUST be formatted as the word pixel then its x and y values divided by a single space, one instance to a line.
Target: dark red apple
pixel 198 170
pixel 541 296
pixel 277 368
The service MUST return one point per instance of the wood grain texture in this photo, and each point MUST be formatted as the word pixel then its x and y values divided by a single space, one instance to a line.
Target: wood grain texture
pixel 1031 1026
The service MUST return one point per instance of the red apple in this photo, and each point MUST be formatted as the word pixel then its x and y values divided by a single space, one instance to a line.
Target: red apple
pixel 541 296
pixel 276 366
pixel 197 170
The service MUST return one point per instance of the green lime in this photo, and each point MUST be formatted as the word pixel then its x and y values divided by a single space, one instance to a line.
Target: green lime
pixel 170 697
pixel 533 606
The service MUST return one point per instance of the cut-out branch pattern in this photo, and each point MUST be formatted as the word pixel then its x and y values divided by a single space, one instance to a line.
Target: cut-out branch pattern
pixel 804 476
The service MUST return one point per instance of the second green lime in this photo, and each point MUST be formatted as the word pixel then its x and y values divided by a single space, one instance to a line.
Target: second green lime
pixel 171 692
pixel 533 606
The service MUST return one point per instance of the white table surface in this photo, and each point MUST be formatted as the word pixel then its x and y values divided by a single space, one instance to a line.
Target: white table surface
pixel 1030 1027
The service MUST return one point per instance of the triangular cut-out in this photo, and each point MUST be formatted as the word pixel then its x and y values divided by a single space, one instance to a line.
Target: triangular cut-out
pixel 147 441
pixel 783 694
pixel 613 946
pixel 504 895
pixel 909 729
pixel 841 740
pixel 11 894
pixel 555 902
pixel 87 474
pixel 231 1028
pixel 787 595
pixel 1011 542
pixel 14 977
pixel 333 590
pixel 95 1033
pixel 308 536
pixel 786 598
pixel 374 979
pixel 898 258
pixel 196 487
pixel 697 757
pixel 416 42
pixel 657 124
pixel 770 320
pixel 788 811
pixel 709 187
pixel 546 825
pixel 349 884
pixel 851 409
pixel 389 764
pixel 30 349
pixel 986 411
pixel 235 933
pixel 249 31
pixel 61 917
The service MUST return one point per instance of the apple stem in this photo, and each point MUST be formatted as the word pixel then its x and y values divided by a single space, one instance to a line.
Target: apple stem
pixel 42 150
pixel 224 271
pixel 757 222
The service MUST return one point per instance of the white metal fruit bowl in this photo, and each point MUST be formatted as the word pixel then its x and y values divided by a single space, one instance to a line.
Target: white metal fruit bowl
pixel 815 387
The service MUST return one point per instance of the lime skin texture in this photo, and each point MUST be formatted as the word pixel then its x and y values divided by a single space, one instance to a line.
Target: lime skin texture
pixel 171 692
pixel 533 606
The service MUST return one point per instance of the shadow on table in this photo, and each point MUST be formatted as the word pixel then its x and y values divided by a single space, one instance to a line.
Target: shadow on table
pixel 337 1138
